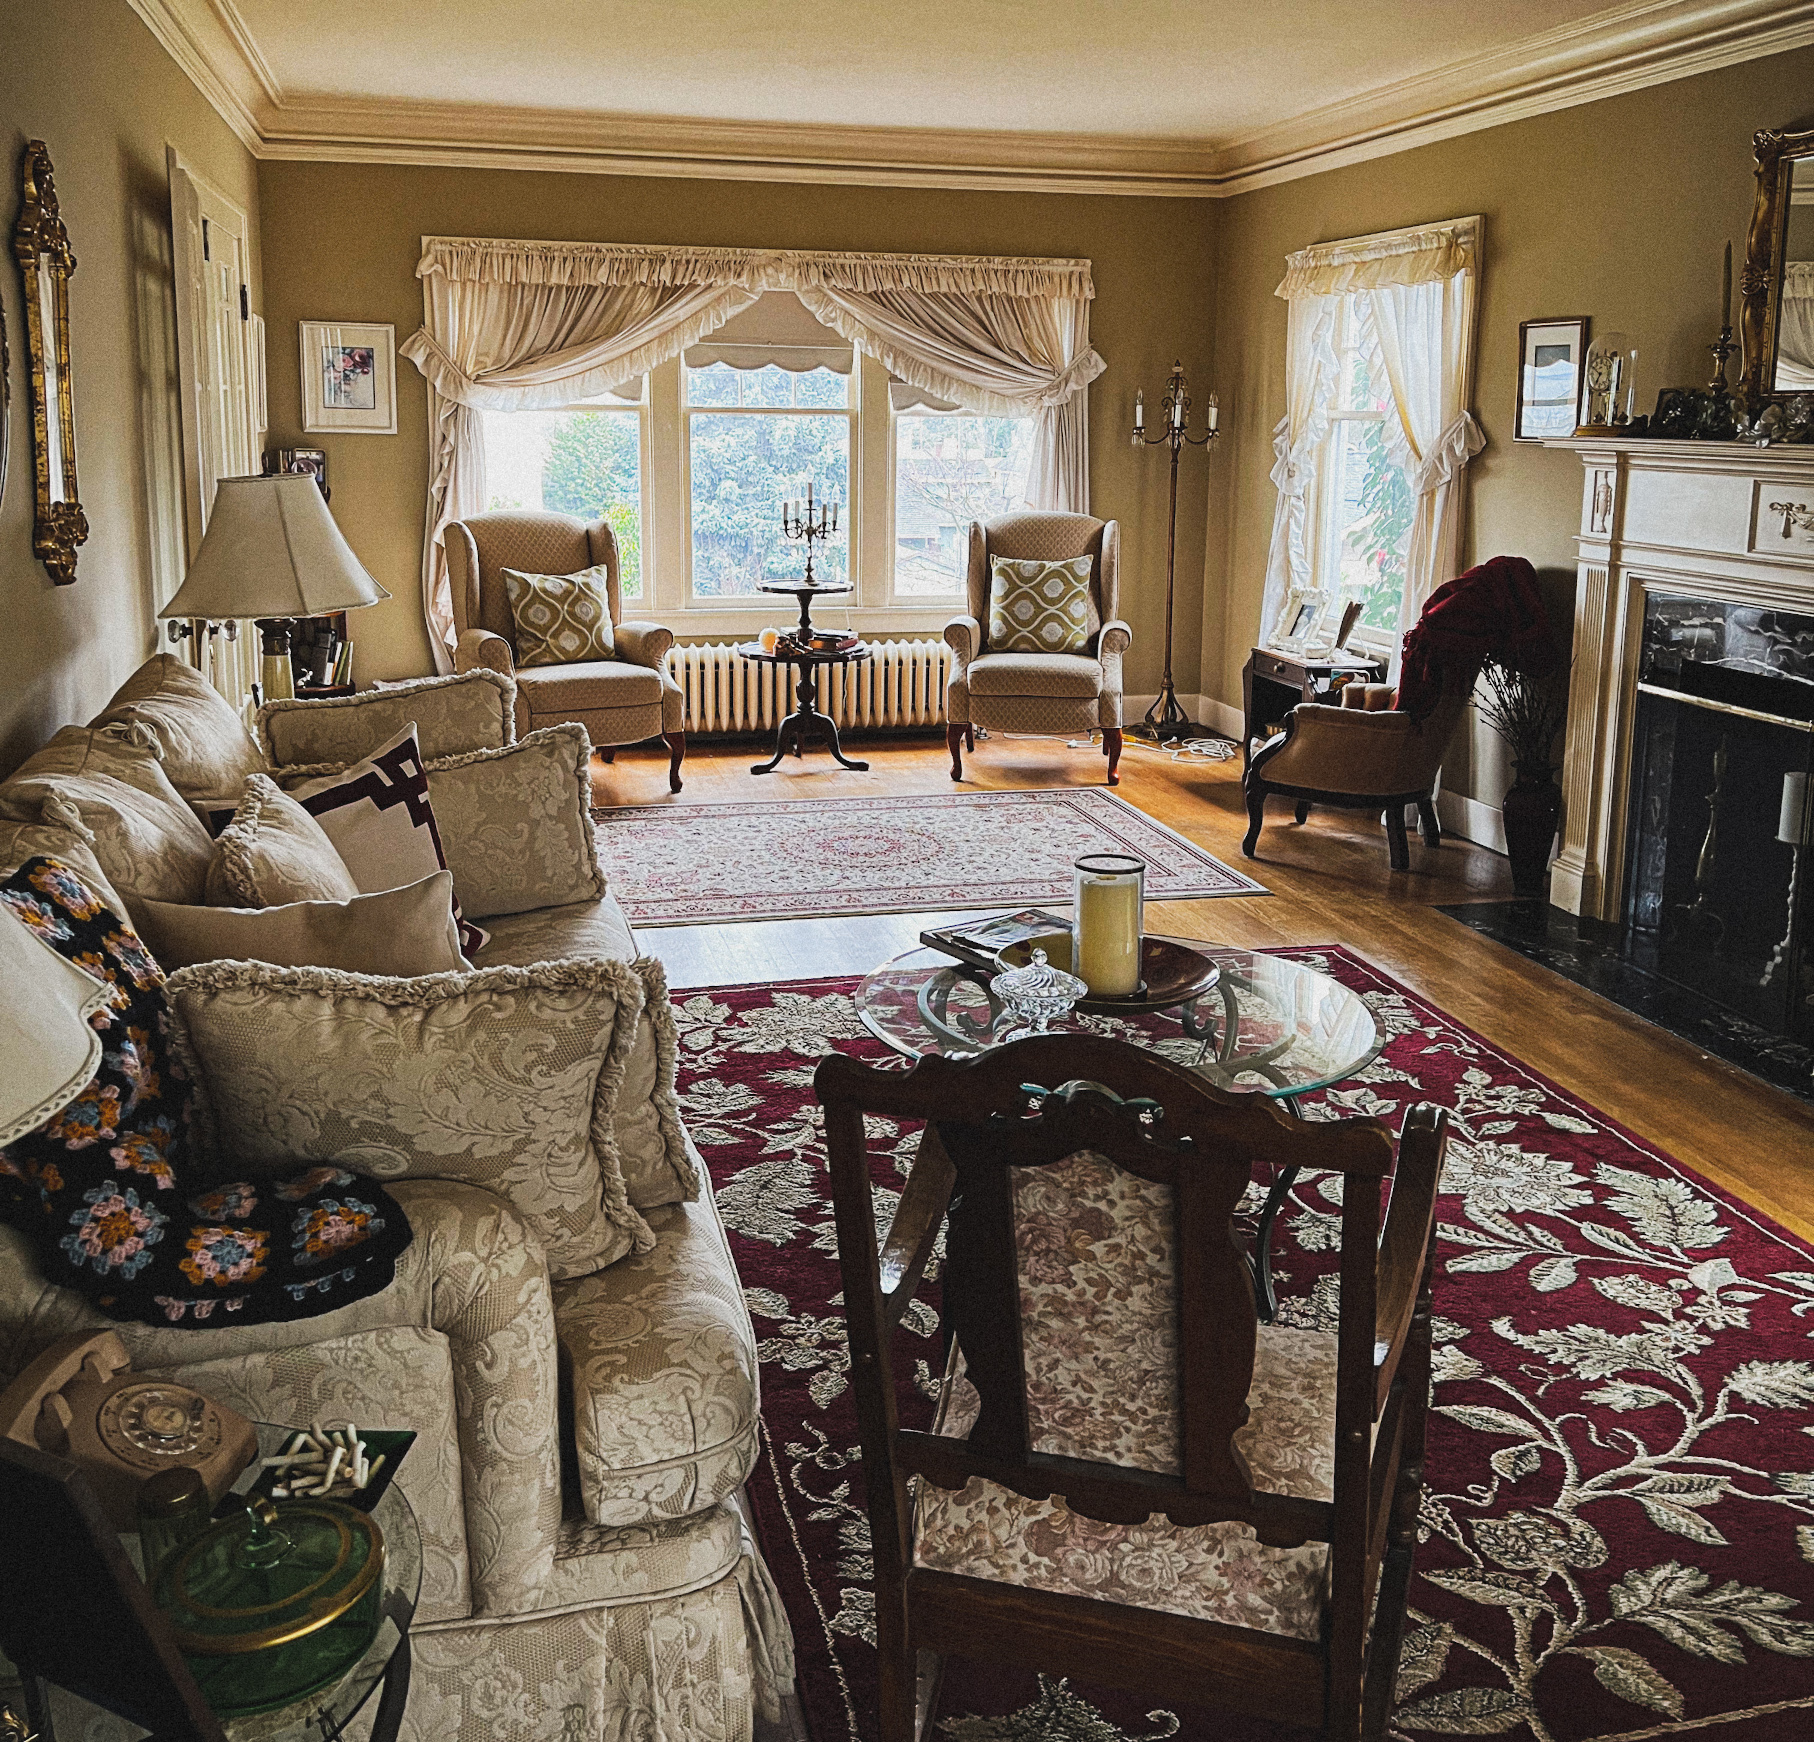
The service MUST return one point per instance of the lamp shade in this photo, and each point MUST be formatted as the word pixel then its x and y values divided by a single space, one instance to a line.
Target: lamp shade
pixel 272 550
pixel 48 1051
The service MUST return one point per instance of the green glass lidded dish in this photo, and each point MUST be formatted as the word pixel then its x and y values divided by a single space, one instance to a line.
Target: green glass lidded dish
pixel 275 1603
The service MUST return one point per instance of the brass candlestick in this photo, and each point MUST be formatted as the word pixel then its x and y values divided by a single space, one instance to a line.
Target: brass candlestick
pixel 1723 347
pixel 1165 719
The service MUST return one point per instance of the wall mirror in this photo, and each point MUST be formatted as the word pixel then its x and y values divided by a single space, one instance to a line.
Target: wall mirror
pixel 46 263
pixel 1776 313
pixel 6 403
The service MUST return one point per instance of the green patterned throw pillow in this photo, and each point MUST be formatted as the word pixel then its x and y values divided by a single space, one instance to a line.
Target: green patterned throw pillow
pixel 1039 607
pixel 560 619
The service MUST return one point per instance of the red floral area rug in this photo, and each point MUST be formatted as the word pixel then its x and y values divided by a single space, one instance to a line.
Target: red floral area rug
pixel 1618 1529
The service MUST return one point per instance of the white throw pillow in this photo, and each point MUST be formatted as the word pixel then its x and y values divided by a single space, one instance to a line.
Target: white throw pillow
pixel 506 1078
pixel 379 817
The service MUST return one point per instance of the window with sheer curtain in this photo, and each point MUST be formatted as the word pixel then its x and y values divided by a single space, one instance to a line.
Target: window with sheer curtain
pixel 1370 459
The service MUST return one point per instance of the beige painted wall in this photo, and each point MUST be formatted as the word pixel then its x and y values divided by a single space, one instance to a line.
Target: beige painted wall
pixel 1617 210
pixel 342 240
pixel 87 77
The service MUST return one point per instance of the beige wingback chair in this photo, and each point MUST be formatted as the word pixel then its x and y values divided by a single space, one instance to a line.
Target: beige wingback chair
pixel 1358 760
pixel 1059 693
pixel 625 700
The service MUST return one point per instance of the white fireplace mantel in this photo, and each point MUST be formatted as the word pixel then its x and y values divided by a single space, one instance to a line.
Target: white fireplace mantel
pixel 1703 519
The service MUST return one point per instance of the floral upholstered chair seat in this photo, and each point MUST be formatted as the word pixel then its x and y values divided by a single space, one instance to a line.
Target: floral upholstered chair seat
pixel 1099 1328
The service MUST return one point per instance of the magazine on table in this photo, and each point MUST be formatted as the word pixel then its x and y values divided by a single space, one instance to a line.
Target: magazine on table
pixel 979 941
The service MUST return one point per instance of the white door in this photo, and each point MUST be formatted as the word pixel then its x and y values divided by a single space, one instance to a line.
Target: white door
pixel 222 387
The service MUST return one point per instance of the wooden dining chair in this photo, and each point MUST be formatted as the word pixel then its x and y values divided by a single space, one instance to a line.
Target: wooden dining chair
pixel 1111 1391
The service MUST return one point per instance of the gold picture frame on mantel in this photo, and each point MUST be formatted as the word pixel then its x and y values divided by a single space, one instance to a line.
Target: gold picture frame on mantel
pixel 46 264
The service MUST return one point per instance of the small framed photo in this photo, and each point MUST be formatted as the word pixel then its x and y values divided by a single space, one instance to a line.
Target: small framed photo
pixel 310 462
pixel 1298 620
pixel 1550 358
pixel 349 378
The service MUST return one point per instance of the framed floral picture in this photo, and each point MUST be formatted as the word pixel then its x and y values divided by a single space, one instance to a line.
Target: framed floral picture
pixel 1550 358
pixel 349 378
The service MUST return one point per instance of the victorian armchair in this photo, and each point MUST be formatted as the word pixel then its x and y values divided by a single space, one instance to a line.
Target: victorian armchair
pixel 1058 693
pixel 623 700
pixel 1110 1388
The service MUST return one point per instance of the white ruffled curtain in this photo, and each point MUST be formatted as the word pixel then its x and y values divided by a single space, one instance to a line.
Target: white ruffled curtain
pixel 1795 329
pixel 1417 289
pixel 515 326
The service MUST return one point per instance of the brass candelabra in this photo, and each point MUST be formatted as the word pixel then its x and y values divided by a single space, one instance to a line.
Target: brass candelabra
pixel 1165 719
pixel 804 518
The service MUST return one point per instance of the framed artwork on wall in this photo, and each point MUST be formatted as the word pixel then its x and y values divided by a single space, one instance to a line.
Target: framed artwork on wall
pixel 349 377
pixel 1550 357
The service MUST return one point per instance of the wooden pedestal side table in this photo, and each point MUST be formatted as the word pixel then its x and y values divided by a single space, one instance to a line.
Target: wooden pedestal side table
pixel 794 731
pixel 1273 683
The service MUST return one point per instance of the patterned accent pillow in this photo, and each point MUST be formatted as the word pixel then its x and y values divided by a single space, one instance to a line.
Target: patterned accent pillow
pixel 109 1188
pixel 560 619
pixel 472 710
pixel 507 1078
pixel 1039 607
pixel 273 852
pixel 377 814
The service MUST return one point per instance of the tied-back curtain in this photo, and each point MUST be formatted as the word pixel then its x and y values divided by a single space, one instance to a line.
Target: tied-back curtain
pixel 1795 329
pixel 516 326
pixel 1416 290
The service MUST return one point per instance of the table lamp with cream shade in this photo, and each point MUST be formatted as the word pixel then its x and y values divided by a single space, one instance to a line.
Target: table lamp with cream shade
pixel 273 553
pixel 49 1052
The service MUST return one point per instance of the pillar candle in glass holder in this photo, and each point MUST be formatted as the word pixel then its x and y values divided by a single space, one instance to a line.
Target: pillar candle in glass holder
pixel 1110 897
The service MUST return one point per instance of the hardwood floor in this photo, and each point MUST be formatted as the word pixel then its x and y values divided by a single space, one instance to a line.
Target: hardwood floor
pixel 1330 884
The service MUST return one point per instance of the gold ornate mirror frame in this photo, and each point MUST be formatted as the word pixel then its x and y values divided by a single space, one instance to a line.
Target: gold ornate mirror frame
pixel 1760 289
pixel 46 262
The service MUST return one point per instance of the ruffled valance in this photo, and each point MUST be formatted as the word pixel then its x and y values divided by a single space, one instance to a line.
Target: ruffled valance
pixel 1420 256
pixel 478 261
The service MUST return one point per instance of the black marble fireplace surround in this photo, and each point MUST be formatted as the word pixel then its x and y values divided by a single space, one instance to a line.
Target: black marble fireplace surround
pixel 1716 941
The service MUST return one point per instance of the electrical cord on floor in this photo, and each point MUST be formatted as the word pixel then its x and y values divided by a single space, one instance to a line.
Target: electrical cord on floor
pixel 1179 749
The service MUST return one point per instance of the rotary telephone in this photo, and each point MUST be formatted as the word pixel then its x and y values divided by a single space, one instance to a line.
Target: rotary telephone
pixel 81 1400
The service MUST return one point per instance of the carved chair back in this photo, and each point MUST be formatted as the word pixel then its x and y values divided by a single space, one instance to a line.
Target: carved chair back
pixel 1029 1129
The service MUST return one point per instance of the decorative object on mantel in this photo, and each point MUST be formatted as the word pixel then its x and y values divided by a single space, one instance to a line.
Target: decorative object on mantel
pixel 46 264
pixel 349 377
pixel 1551 356
pixel 1528 715
pixel 1165 719
pixel 1723 347
pixel 1611 371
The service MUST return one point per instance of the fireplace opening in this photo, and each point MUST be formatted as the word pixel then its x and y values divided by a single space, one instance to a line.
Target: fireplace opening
pixel 1719 859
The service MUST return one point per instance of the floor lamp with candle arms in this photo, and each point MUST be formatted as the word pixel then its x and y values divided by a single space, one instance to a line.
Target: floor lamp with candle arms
pixel 1165 719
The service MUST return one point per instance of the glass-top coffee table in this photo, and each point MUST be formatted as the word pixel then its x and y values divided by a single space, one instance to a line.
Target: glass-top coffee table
pixel 1268 1026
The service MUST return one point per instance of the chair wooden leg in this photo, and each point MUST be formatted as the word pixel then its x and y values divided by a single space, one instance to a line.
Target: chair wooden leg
pixel 1111 745
pixel 1256 815
pixel 1303 810
pixel 608 755
pixel 677 753
pixel 1398 848
pixel 970 738
pixel 954 741
pixel 1426 821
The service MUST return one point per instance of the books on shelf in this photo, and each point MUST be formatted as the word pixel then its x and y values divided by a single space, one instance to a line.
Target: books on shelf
pixel 978 941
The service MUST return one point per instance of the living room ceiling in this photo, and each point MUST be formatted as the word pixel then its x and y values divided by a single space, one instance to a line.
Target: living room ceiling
pixel 1181 96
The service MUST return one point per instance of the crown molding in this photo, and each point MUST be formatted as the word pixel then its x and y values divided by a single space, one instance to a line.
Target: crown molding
pixel 1609 55
pixel 1626 49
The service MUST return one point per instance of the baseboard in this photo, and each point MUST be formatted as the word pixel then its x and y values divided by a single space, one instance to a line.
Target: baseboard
pixel 1470 819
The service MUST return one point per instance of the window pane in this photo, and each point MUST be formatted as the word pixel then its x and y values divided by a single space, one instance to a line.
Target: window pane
pixel 770 388
pixel 821 387
pixel 948 472
pixel 714 386
pixel 1370 522
pixel 742 468
pixel 587 463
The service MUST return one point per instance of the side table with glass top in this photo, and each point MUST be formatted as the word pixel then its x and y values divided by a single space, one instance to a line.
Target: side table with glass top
pixel 85 1571
pixel 1269 1026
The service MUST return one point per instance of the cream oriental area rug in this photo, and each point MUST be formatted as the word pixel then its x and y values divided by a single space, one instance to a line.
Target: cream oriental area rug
pixel 702 864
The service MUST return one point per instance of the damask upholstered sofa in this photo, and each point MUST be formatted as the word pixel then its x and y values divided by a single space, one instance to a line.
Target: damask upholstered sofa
pixel 1057 693
pixel 622 700
pixel 587 1571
